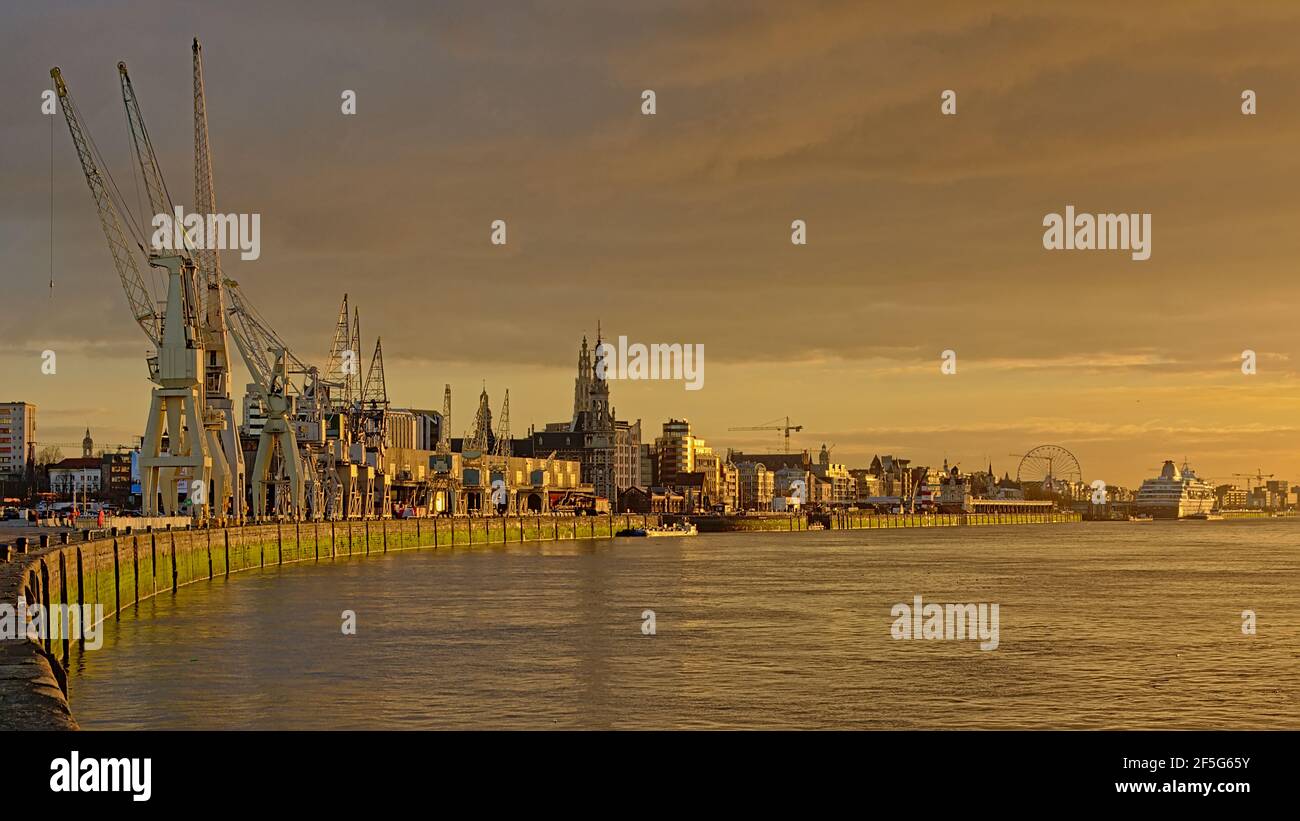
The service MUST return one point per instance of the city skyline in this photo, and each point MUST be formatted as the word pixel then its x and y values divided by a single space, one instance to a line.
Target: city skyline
pixel 924 230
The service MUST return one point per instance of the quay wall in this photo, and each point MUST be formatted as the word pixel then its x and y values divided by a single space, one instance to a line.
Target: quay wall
pixel 118 571
pixel 863 520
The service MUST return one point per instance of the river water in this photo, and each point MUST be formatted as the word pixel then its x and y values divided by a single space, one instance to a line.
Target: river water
pixel 1101 625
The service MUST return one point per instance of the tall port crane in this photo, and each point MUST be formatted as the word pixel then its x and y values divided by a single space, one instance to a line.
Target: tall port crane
pixel 220 442
pixel 219 409
pixel 786 428
pixel 343 366
pixel 176 401
pixel 270 363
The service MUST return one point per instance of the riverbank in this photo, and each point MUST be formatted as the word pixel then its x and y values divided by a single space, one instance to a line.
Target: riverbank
pixel 116 572
pixel 113 573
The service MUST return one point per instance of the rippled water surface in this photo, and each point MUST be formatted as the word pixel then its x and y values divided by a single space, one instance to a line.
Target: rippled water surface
pixel 1101 625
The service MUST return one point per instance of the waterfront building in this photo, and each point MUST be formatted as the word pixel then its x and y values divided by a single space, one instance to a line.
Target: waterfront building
pixel 894 474
pixel 1230 497
pixel 954 494
pixel 756 485
pixel 633 500
pixel 649 465
pixel 17 441
pixel 729 499
pixel 783 483
pixel 869 486
pixel 400 429
pixel 77 477
pixel 692 487
pixel 675 450
pixel 709 466
pixel 115 478
pixel 841 488
pixel 772 461
pixel 679 456
pixel 428 428
pixel 627 454
pixel 1277 494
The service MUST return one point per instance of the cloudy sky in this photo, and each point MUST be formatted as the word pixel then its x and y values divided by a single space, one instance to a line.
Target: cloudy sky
pixel 924 231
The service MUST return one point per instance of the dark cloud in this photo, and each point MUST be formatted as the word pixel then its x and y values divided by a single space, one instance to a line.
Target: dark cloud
pixel 924 230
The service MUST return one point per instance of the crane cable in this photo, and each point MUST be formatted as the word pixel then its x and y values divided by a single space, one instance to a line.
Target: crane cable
pixel 51 293
pixel 133 225
pixel 156 277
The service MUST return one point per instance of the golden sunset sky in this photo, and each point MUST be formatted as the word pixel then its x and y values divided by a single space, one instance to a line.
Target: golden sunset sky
pixel 924 231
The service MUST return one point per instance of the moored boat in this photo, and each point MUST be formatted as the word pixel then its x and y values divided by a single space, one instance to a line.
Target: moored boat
pixel 661 530
pixel 672 530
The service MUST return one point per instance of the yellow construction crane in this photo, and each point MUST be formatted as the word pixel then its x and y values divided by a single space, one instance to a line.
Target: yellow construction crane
pixel 786 428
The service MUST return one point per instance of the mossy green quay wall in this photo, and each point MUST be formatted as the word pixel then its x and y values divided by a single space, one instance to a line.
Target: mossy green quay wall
pixel 116 572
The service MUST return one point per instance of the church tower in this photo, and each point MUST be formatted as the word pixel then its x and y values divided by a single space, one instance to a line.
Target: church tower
pixel 87 445
pixel 581 385
pixel 601 417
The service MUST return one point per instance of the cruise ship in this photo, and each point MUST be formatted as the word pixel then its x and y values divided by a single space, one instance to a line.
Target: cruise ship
pixel 1174 494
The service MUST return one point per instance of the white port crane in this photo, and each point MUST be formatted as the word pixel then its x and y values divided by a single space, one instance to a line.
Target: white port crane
pixel 175 405
pixel 219 410
pixel 191 405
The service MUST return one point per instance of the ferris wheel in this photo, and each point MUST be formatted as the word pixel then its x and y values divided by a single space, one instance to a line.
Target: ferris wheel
pixel 1051 467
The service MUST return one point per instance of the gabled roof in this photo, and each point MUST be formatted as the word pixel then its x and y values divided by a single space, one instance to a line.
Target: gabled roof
pixel 78 463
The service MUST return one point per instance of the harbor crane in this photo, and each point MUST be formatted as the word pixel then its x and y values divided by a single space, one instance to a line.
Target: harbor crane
pixel 278 462
pixel 219 409
pixel 190 432
pixel 786 428
pixel 177 361
pixel 1259 475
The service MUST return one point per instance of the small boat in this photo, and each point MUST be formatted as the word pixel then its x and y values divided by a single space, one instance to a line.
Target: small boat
pixel 1141 517
pixel 665 530
pixel 816 526
pixel 672 530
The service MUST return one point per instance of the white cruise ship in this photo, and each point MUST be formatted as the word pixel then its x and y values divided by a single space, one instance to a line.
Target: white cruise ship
pixel 1174 494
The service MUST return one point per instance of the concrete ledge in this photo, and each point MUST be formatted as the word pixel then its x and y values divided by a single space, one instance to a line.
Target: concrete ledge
pixel 32 685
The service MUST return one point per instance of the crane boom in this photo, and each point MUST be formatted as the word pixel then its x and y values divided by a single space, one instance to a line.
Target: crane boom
pixel 255 339
pixel 160 201
pixel 786 428
pixel 124 260
pixel 205 197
